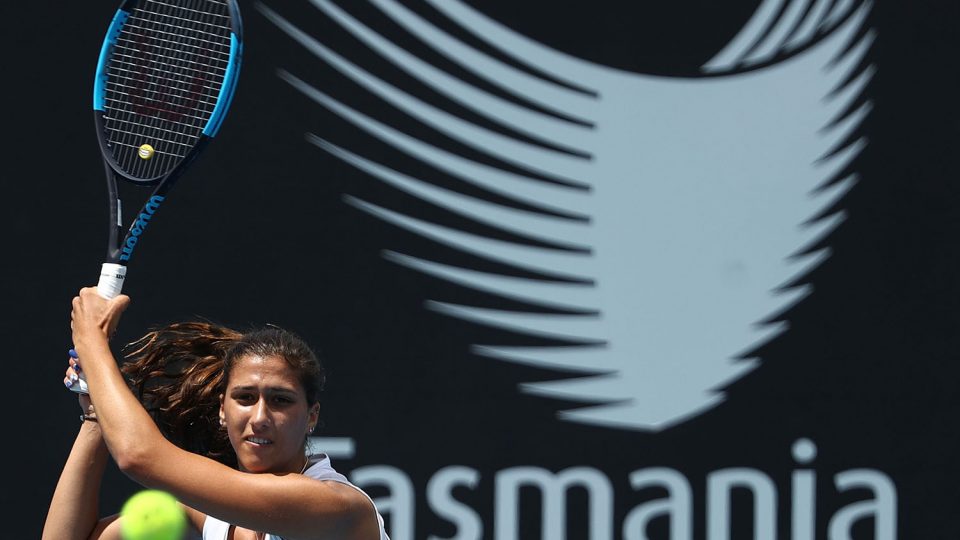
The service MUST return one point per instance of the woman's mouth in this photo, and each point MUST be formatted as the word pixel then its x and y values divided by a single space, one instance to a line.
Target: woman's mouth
pixel 259 441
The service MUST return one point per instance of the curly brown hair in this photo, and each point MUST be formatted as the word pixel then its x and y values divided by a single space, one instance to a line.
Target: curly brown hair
pixel 180 370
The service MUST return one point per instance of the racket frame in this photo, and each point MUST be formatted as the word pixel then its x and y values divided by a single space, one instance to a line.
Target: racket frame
pixel 120 248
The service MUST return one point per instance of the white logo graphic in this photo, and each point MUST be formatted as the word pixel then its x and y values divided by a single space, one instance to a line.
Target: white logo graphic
pixel 682 215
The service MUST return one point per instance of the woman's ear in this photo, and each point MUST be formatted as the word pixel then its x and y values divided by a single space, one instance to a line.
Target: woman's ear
pixel 314 417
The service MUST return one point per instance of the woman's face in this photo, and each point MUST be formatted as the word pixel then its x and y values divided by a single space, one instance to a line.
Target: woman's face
pixel 266 414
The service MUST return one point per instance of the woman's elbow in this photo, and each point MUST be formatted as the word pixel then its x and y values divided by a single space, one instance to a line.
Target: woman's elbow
pixel 133 461
pixel 363 521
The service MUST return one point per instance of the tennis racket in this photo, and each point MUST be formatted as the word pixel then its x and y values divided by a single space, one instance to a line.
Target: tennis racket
pixel 165 79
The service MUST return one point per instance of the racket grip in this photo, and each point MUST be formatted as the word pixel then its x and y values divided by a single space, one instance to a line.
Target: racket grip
pixel 109 286
pixel 80 386
pixel 111 280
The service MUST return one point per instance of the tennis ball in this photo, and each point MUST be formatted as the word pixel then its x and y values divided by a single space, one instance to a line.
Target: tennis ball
pixel 145 151
pixel 152 515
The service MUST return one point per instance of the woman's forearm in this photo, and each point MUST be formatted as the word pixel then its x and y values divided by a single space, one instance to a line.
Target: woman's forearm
pixel 132 438
pixel 127 428
pixel 74 509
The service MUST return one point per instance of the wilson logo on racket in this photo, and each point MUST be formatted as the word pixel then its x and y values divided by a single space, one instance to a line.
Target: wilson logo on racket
pixel 171 96
pixel 139 225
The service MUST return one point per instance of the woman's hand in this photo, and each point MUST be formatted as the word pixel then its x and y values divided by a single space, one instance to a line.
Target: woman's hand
pixel 94 317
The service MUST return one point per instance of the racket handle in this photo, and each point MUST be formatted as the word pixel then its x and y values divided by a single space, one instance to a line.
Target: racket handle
pixel 109 286
pixel 111 280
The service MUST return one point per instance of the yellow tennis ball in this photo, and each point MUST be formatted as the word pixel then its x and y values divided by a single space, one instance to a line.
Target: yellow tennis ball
pixel 152 515
pixel 145 151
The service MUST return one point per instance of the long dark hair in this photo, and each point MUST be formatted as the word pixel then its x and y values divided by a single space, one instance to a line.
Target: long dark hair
pixel 180 370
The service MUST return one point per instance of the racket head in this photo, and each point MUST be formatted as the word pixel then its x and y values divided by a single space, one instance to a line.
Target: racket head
pixel 165 79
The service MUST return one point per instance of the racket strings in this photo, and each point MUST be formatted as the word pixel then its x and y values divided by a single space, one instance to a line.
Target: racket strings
pixel 167 40
pixel 150 83
pixel 215 29
pixel 164 79
pixel 175 91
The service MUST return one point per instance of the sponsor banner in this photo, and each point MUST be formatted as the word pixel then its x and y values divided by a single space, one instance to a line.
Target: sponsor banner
pixel 620 270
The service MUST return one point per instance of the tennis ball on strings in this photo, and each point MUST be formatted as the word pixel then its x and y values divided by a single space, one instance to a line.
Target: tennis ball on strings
pixel 152 515
pixel 145 151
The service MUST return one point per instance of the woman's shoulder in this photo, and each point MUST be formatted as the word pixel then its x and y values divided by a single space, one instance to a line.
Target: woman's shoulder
pixel 320 468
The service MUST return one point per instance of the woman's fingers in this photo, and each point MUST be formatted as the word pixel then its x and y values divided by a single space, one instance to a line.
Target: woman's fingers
pixel 73 371
pixel 71 377
pixel 90 310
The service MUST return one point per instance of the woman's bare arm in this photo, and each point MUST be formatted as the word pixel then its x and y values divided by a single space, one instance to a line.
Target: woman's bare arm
pixel 74 509
pixel 289 505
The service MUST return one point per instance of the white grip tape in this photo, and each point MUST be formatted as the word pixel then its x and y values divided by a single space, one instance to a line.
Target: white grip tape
pixel 80 386
pixel 109 286
pixel 111 280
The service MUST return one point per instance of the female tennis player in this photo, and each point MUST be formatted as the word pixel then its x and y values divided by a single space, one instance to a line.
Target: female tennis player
pixel 239 408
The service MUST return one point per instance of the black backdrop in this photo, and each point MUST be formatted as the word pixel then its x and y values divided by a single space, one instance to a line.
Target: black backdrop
pixel 258 232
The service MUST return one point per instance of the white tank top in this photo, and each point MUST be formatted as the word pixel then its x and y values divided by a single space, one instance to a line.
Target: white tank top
pixel 319 467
